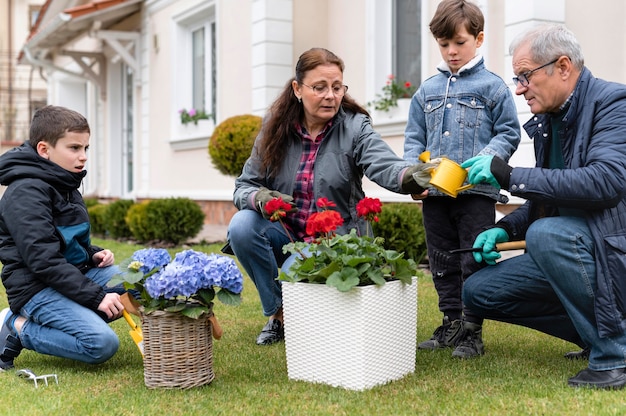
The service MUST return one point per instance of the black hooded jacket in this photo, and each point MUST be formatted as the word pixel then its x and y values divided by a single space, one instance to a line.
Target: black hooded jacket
pixel 44 231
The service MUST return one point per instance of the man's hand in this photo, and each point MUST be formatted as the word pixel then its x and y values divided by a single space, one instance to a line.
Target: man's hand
pixel 264 195
pixel 487 240
pixel 488 169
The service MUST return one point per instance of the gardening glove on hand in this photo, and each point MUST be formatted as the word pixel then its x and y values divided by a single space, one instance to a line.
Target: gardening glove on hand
pixel 487 241
pixel 264 195
pixel 488 169
pixel 416 178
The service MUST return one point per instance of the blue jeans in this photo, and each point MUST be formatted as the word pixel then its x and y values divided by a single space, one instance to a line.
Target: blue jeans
pixel 58 326
pixel 258 244
pixel 551 288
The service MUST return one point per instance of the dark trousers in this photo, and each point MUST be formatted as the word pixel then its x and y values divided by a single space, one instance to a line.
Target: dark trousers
pixel 452 223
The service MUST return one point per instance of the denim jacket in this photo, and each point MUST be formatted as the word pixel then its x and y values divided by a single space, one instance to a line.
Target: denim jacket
pixel 463 115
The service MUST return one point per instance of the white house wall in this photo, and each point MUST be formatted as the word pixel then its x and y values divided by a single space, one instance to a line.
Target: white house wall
pixel 258 44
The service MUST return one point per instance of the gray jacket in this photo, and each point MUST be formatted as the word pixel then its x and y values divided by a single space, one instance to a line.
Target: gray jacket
pixel 350 149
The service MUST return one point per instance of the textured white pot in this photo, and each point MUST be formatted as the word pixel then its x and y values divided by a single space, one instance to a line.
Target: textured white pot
pixel 355 340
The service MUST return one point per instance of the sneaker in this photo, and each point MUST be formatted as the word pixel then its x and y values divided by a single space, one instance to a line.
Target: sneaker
pixel 471 344
pixel 271 333
pixel 10 345
pixel 447 335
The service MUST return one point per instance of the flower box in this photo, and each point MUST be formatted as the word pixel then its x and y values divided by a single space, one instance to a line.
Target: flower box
pixel 356 339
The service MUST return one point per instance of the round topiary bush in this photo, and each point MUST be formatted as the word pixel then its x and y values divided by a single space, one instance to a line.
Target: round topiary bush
pixel 96 218
pixel 400 224
pixel 173 220
pixel 231 143
pixel 137 222
pixel 115 219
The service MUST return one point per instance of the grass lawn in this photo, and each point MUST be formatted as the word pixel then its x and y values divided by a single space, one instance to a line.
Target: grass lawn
pixel 522 372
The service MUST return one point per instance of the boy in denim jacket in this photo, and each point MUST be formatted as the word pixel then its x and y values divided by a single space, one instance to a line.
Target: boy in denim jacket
pixel 463 111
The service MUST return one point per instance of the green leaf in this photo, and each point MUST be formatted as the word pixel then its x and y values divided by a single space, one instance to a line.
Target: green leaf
pixel 344 280
pixel 228 298
pixel 206 295
pixel 194 312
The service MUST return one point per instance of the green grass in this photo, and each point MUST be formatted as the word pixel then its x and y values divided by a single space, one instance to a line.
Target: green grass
pixel 523 372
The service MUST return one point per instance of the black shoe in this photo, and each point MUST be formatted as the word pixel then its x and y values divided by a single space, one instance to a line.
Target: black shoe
pixel 578 355
pixel 607 379
pixel 271 333
pixel 10 345
pixel 471 344
pixel 446 335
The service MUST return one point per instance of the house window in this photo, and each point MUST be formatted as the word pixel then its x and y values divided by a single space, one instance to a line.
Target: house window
pixel 194 71
pixel 198 73
pixel 407 39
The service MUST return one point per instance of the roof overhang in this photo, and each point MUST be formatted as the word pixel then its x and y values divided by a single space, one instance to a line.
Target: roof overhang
pixel 91 19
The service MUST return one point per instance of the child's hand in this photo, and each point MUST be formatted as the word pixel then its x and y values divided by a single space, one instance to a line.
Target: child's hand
pixel 103 258
pixel 111 305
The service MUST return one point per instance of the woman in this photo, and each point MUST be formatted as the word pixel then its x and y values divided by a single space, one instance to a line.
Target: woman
pixel 316 141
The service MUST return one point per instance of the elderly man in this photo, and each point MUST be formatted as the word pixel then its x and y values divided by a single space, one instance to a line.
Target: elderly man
pixel 571 282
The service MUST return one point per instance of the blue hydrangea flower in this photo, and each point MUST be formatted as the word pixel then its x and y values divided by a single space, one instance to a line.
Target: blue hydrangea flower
pixel 151 258
pixel 191 271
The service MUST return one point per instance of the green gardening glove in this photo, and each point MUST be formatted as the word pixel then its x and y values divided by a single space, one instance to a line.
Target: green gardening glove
pixel 487 240
pixel 264 195
pixel 480 170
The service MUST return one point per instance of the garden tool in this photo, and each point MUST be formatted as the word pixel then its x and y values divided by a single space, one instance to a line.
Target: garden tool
pixel 130 304
pixel 511 245
pixel 135 331
pixel 28 374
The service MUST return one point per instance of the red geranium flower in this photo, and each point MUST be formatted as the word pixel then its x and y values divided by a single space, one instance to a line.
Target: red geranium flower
pixel 323 222
pixel 277 208
pixel 325 203
pixel 368 208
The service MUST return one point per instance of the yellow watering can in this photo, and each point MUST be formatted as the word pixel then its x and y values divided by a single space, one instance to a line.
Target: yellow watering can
pixel 448 176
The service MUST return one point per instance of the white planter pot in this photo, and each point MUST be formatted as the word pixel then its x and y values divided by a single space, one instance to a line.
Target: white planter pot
pixel 355 340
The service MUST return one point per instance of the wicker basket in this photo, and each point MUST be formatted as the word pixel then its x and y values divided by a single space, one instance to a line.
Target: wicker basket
pixel 178 351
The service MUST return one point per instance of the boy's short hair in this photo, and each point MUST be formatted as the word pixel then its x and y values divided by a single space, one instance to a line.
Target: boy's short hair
pixel 50 123
pixel 452 13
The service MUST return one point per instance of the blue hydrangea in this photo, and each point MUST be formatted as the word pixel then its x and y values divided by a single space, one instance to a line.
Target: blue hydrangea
pixel 151 258
pixel 191 271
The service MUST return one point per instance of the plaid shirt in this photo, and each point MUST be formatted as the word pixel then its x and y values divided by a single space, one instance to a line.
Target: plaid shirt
pixel 303 187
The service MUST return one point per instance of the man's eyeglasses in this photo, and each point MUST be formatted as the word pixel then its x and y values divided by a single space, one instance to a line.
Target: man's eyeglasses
pixel 523 79
pixel 321 90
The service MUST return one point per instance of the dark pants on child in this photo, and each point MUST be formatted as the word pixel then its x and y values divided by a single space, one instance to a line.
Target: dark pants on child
pixel 452 223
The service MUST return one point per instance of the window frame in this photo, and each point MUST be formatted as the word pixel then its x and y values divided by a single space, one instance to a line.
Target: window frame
pixel 191 136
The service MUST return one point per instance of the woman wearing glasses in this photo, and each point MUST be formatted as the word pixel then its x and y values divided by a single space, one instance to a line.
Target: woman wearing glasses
pixel 316 141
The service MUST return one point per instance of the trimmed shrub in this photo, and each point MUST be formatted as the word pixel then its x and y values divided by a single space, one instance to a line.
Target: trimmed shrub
pixel 115 219
pixel 96 218
pixel 137 221
pixel 173 220
pixel 232 141
pixel 401 226
pixel 91 202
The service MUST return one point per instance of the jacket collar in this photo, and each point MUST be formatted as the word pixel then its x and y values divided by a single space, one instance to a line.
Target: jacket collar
pixel 475 64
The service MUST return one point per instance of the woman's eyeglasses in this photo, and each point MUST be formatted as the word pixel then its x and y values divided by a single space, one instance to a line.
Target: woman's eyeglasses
pixel 322 90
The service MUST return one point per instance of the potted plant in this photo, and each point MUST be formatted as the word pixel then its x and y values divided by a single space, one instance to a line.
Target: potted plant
pixel 350 286
pixel 393 91
pixel 175 299
pixel 192 116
